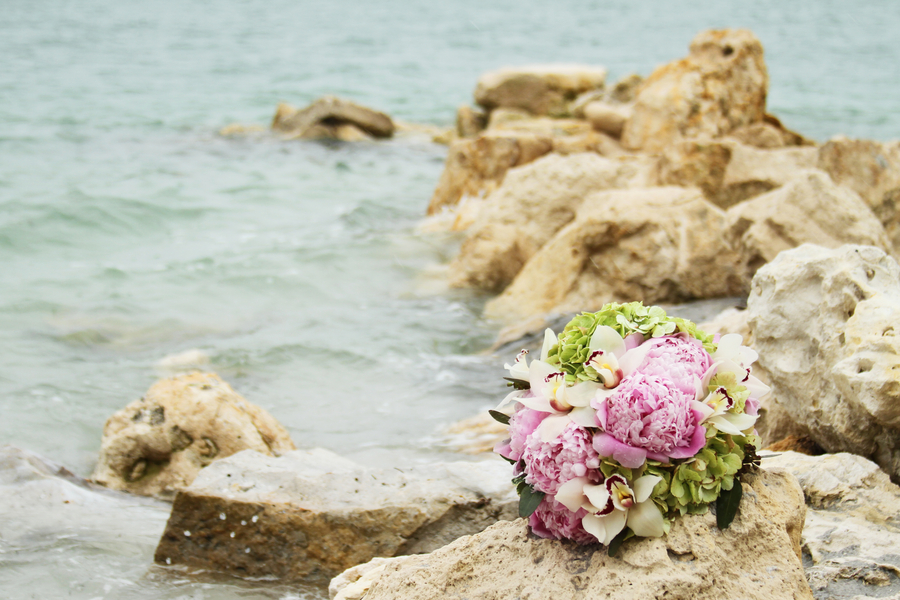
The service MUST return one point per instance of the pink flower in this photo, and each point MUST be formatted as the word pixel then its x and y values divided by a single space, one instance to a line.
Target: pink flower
pixel 550 464
pixel 679 357
pixel 648 416
pixel 553 520
pixel 521 425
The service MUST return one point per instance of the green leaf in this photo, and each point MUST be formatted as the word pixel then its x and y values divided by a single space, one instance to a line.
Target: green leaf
pixel 616 542
pixel 518 384
pixel 499 416
pixel 529 499
pixel 727 505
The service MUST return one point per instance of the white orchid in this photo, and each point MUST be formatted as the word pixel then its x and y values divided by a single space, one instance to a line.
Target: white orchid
pixel 730 356
pixel 613 505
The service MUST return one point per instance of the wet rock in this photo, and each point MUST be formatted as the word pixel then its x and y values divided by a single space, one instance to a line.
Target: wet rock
pixel 311 513
pixel 719 87
pixel 757 557
pixel 469 122
pixel 59 533
pixel 332 117
pixel 538 89
pixel 531 206
pixel 155 446
pixel 812 209
pixel 851 535
pixel 730 172
pixel 475 167
pixel 649 244
pixel 824 325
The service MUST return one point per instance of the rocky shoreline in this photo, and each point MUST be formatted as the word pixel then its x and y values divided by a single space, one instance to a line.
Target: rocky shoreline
pixel 671 189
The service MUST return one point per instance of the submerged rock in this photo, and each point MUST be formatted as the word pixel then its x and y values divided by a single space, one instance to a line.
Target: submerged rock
pixel 851 537
pixel 311 513
pixel 538 89
pixel 719 87
pixel 652 244
pixel 332 117
pixel 155 446
pixel 757 557
pixel 825 326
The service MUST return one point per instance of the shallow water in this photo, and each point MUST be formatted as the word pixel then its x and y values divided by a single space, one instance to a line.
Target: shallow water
pixel 130 231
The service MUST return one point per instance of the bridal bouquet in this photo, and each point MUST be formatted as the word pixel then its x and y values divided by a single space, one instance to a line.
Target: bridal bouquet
pixel 629 419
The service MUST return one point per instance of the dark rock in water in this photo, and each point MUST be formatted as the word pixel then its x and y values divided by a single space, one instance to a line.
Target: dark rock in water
pixel 312 514
pixel 332 117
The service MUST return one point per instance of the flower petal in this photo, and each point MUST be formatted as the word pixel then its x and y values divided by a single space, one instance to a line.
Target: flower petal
pixel 607 445
pixel 549 341
pixel 584 416
pixel 582 393
pixel 552 427
pixel 571 493
pixel 604 528
pixel 607 339
pixel 646 520
pixel 643 486
pixel 597 495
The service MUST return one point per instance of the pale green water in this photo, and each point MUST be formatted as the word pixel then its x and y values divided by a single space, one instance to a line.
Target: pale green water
pixel 129 230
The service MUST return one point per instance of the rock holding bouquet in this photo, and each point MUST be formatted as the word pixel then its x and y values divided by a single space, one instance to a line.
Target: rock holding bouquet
pixel 629 419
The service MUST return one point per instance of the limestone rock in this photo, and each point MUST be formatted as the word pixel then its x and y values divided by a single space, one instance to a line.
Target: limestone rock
pixel 812 209
pixel 719 87
pixel 728 171
pixel 475 435
pixel 475 167
pixel 312 513
pixel 872 170
pixel 756 557
pixel 651 244
pixel 608 118
pixel 824 325
pixel 155 446
pixel 869 168
pixel 625 90
pixel 469 122
pixel 534 202
pixel 770 133
pixel 538 89
pixel 332 117
pixel 852 529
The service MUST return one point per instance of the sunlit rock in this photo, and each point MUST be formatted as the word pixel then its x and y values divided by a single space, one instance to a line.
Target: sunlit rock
pixel 825 325
pixel 332 117
pixel 538 89
pixel 313 514
pixel 155 446
pixel 757 557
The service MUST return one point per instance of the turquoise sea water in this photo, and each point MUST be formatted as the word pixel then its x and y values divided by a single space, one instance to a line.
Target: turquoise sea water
pixel 129 230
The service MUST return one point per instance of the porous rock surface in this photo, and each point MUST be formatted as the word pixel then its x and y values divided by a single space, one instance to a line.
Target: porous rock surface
pixel 155 446
pixel 851 537
pixel 757 557
pixel 808 209
pixel 719 87
pixel 825 324
pixel 652 244
pixel 332 117
pixel 313 514
pixel 476 166
pixel 538 89
pixel 533 204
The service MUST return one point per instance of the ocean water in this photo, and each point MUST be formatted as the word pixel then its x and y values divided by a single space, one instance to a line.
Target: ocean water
pixel 130 230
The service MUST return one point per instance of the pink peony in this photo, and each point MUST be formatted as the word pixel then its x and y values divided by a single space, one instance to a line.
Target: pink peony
pixel 553 520
pixel 679 357
pixel 548 465
pixel 648 416
pixel 521 424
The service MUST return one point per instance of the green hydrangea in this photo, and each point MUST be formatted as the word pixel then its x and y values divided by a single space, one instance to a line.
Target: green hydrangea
pixel 572 348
